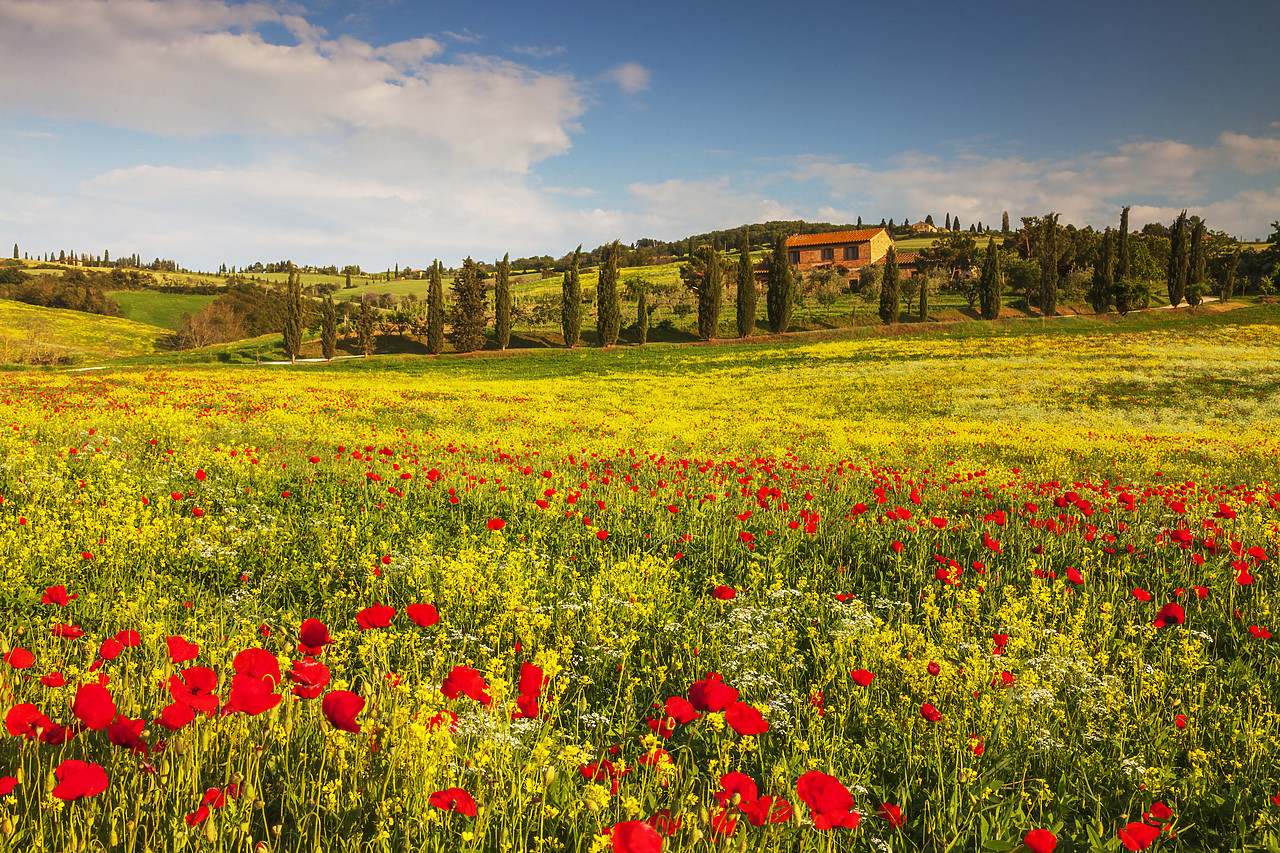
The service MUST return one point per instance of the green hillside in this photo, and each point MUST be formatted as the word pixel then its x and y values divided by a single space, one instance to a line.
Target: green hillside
pixel 52 335
pixel 155 308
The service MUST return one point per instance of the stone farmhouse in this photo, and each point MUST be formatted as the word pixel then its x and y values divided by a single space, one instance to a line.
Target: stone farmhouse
pixel 848 249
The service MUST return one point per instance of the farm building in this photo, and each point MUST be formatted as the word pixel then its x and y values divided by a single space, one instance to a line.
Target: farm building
pixel 848 249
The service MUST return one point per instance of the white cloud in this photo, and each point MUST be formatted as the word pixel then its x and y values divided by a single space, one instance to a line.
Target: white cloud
pixel 1087 189
pixel 196 68
pixel 631 77
pixel 535 52
pixel 677 207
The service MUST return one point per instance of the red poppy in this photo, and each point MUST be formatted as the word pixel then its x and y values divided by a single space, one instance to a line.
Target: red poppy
pixel 23 720
pixel 531 679
pixel 890 813
pixel 454 800
pixel 526 708
pixel 745 537
pixel 711 694
pixel 181 651
pixel 194 688
pixel 662 821
pixel 110 649
pixel 313 636
pixel 829 802
pixel 129 638
pixel 1180 721
pixel 310 676
pixel 125 732
pixel 722 824
pixel 53 679
pixel 19 658
pixel 725 593
pixel 377 616
pixel 977 745
pixel 7 784
pixel 1138 836
pixel 70 632
pixel 424 615
pixel 78 779
pixel 252 695
pixel 58 595
pixel 176 715
pixel 930 713
pixel 767 809
pixel 681 710
pixel 197 816
pixel 1159 812
pixel 340 708
pixel 1170 615
pixel 933 667
pixel 745 719
pixel 1074 576
pixel 495 524
pixel 94 706
pixel 258 663
pixel 465 680
pixel 634 836
pixel 1040 841
pixel 1142 595
pixel 738 785
pixel 862 677
pixel 603 535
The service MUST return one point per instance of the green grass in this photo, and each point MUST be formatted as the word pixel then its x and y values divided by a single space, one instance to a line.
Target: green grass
pixel 29 332
pixel 156 308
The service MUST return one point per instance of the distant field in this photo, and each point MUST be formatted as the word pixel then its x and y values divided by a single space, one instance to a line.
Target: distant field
pixel 27 329
pixel 158 309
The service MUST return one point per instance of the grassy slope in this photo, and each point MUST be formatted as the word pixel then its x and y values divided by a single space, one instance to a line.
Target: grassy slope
pixel 27 327
pixel 154 308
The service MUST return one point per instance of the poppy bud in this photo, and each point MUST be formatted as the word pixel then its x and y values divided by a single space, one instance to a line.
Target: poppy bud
pixel 549 775
pixel 8 829
pixel 591 805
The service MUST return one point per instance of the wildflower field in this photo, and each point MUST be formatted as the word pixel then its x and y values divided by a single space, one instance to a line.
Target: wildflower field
pixel 994 591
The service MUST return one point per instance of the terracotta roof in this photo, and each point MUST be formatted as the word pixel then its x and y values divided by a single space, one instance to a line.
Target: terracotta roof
pixel 832 237
pixel 907 258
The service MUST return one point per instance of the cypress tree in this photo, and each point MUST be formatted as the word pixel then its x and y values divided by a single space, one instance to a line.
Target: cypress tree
pixel 609 312
pixel 571 302
pixel 329 329
pixel 469 317
pixel 293 316
pixel 1196 287
pixel 502 302
pixel 1178 261
pixel 1104 283
pixel 347 284
pixel 746 289
pixel 947 223
pixel 989 284
pixel 1122 247
pixel 1229 275
pixel 890 306
pixel 15 251
pixel 435 311
pixel 642 314
pixel 1049 266
pixel 366 329
pixel 780 295
pixel 711 294
pixel 955 224
pixel 1004 224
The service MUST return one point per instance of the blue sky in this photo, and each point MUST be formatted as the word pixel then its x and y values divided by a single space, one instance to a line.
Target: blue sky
pixel 383 132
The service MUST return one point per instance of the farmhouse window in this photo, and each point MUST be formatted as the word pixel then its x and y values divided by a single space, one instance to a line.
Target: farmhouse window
pixel 793 257
pixel 850 253
pixel 828 254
